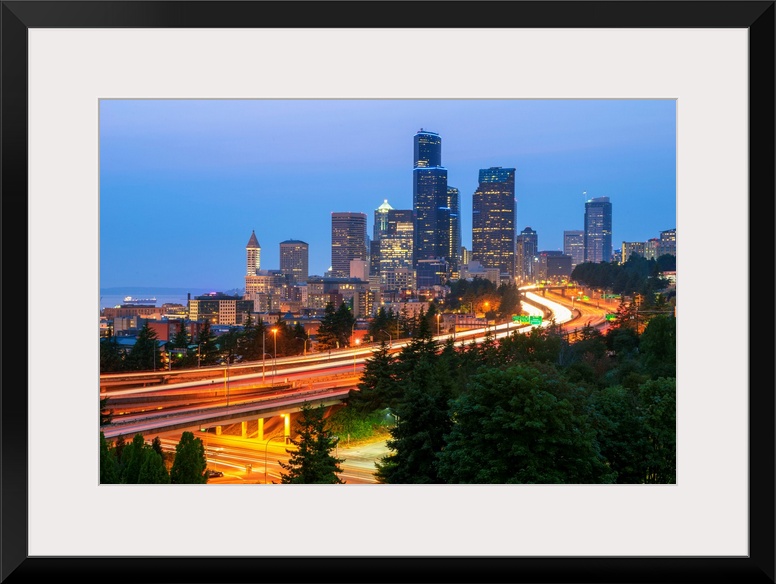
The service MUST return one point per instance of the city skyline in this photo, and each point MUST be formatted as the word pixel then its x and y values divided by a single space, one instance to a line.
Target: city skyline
pixel 184 183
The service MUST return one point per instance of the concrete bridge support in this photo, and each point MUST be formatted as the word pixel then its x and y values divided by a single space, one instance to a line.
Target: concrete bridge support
pixel 260 431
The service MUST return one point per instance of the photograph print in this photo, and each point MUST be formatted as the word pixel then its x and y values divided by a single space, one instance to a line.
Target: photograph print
pixel 387 291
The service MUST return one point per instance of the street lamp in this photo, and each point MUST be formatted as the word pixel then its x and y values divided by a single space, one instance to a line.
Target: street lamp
pixel 437 317
pixel 352 332
pixel 263 351
pixel 305 343
pixel 226 380
pixel 390 342
pixel 358 341
pixel 275 356
pixel 266 445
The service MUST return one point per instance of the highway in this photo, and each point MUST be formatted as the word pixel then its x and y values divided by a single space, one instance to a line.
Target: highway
pixel 223 395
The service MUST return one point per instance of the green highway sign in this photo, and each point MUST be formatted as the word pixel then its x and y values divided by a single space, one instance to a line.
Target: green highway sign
pixel 535 320
pixel 611 317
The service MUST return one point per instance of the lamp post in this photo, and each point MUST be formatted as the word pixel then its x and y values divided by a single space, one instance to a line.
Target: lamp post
pixel 199 354
pixel 305 344
pixel 354 355
pixel 352 332
pixel 266 446
pixel 390 342
pixel 437 317
pixel 263 351
pixel 226 380
pixel 275 355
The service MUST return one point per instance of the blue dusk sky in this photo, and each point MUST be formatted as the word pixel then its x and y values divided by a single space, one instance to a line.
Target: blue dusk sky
pixel 184 182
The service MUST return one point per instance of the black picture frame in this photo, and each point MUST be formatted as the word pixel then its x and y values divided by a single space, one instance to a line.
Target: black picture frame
pixel 19 16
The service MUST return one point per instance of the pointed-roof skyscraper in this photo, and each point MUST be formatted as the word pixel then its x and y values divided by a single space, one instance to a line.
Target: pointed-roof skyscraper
pixel 253 255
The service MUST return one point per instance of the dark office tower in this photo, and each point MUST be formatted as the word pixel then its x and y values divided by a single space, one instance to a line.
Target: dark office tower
pixel 493 220
pixel 253 255
pixel 348 242
pixel 453 251
pixel 429 200
pixel 527 250
pixel 428 149
pixel 598 230
pixel 574 246
pixel 294 256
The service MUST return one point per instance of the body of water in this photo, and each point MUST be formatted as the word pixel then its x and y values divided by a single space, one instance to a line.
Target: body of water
pixel 111 300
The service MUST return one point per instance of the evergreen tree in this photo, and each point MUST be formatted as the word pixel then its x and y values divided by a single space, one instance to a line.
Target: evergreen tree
pixel 152 469
pixel 190 464
pixel 423 421
pixel 377 388
pixel 111 355
pixel 132 459
pixel 208 349
pixel 109 465
pixel 249 343
pixel 312 462
pixel 181 338
pixel 344 321
pixel 106 414
pixel 145 354
pixel 156 444
pixel 327 336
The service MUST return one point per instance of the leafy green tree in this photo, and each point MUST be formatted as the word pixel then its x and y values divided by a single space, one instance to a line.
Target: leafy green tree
pixel 658 347
pixel 658 402
pixel 190 463
pixel 520 426
pixel 109 465
pixel 145 353
pixel 312 462
pixel 509 303
pixel 620 432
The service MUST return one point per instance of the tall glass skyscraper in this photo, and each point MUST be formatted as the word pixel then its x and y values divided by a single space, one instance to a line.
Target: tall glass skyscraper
pixel 493 220
pixel 348 242
pixel 527 250
pixel 430 204
pixel 598 230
